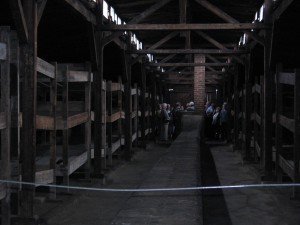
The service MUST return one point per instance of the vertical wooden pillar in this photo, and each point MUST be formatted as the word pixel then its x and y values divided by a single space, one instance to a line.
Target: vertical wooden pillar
pixel 136 112
pixel 109 124
pixel 154 121
pixel 5 133
pixel 247 109
pixel 87 125
pixel 262 91
pixel 103 127
pixel 128 109
pixel 255 125
pixel 268 87
pixel 143 106
pixel 28 146
pixel 53 102
pixel 236 108
pixel 99 142
pixel 120 108
pixel 65 114
pixel 278 132
pixel 297 133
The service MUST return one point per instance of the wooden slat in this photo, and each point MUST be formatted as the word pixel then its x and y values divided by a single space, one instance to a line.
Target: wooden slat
pixel 189 51
pixel 45 68
pixel 114 117
pixel 44 122
pixel 74 76
pixel 44 177
pixel 287 123
pixel 287 78
pixel 3 51
pixel 287 166
pixel 76 162
pixel 115 146
pixel 2 120
pixel 77 119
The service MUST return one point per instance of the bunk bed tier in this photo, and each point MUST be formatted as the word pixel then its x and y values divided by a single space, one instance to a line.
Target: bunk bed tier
pixel 46 122
pixel 77 157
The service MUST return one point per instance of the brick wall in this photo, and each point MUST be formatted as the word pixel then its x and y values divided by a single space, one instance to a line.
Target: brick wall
pixel 199 84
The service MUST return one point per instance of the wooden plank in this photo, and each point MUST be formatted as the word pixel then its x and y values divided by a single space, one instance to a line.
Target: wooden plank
pixel 287 123
pixel 44 177
pixel 184 27
pixel 76 162
pixel 45 68
pixel 287 166
pixel 189 51
pixel 115 146
pixel 113 117
pixel 189 64
pixel 77 119
pixel 287 78
pixel 2 120
pixel 281 9
pixel 109 124
pixel 3 51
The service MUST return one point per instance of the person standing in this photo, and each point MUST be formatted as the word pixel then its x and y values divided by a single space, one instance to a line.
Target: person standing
pixel 224 117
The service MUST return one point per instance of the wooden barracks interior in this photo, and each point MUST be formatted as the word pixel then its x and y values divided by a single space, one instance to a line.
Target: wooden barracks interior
pixel 84 139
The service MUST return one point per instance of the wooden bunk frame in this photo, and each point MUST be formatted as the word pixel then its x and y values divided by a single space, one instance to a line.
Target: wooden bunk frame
pixel 5 122
pixel 288 166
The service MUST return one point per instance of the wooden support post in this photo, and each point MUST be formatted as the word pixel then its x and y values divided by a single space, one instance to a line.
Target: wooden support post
pixel 5 133
pixel 87 126
pixel 28 146
pixel 236 108
pixel 297 133
pixel 247 109
pixel 262 91
pixel 136 111
pixel 268 87
pixel 103 127
pixel 65 114
pixel 53 102
pixel 128 109
pixel 255 125
pixel 153 106
pixel 143 106
pixel 99 142
pixel 278 132
pixel 109 124
pixel 120 108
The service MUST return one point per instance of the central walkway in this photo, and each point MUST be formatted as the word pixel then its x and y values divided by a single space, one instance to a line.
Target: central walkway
pixel 158 167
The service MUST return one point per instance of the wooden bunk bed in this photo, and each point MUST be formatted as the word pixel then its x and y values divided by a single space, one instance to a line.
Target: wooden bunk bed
pixel 287 154
pixel 62 116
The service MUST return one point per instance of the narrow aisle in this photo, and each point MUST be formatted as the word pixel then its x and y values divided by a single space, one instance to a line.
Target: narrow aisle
pixel 179 167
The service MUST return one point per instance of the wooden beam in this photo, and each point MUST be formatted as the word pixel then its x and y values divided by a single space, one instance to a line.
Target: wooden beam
pixel 216 43
pixel 40 11
pixel 164 60
pixel 136 3
pixel 189 64
pixel 189 51
pixel 184 27
pixel 81 8
pixel 220 13
pixel 158 44
pixel 19 20
pixel 137 19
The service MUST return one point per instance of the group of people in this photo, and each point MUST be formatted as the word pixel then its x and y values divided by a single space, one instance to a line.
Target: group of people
pixel 217 121
pixel 169 120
